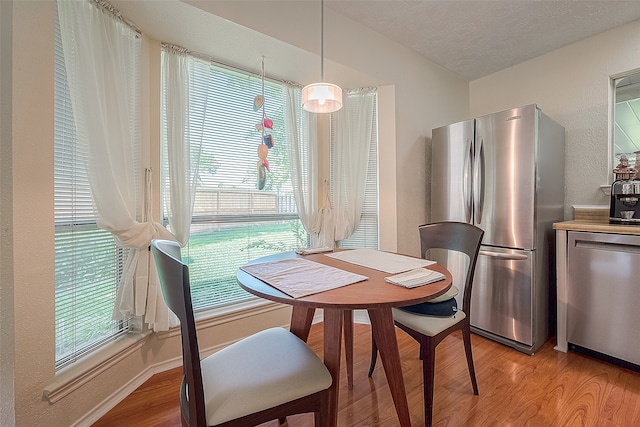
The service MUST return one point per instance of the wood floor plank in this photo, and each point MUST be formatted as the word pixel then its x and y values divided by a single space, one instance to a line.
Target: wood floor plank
pixel 549 388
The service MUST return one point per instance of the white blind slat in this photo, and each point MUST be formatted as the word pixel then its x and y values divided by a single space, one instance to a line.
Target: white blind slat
pixel 87 262
pixel 225 230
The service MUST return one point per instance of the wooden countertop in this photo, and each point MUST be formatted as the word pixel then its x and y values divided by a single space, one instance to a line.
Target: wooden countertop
pixel 596 227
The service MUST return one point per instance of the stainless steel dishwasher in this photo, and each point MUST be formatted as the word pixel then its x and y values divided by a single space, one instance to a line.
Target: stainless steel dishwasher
pixel 603 295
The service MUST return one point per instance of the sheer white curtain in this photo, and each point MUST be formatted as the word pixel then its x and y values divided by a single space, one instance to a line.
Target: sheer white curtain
pixel 302 137
pixel 352 132
pixel 182 157
pixel 97 51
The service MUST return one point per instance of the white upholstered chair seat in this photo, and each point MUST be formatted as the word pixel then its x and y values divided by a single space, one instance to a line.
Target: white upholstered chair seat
pixel 427 325
pixel 264 370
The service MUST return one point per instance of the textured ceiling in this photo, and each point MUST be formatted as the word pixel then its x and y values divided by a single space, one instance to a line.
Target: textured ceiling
pixel 476 38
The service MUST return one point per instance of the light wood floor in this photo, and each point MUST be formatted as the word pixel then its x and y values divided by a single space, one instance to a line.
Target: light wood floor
pixel 547 389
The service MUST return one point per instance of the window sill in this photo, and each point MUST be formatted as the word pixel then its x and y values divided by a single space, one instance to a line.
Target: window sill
pixel 74 376
pixel 229 313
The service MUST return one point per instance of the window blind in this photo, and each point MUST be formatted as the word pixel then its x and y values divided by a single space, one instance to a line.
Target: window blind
pixel 366 234
pixel 234 222
pixel 87 262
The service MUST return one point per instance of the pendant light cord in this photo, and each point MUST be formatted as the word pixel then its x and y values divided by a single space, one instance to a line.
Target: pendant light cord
pixel 321 40
pixel 262 81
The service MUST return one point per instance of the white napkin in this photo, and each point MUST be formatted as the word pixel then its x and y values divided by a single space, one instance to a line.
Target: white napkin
pixel 415 278
pixel 381 261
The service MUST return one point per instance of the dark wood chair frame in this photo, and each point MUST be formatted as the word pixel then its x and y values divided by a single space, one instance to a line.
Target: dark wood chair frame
pixel 455 236
pixel 174 281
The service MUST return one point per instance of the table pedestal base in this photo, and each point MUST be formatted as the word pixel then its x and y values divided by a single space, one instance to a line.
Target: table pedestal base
pixel 335 322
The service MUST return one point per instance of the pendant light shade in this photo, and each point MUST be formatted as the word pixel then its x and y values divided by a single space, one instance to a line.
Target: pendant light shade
pixel 321 97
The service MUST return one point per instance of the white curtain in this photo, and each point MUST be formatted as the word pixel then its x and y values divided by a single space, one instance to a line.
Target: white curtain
pixel 314 208
pixel 183 158
pixel 97 49
pixel 352 133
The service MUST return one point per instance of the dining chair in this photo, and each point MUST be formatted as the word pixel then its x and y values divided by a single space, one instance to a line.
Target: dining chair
pixel 266 376
pixel 429 331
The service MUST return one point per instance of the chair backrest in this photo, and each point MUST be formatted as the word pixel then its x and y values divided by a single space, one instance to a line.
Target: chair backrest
pixel 174 281
pixel 454 236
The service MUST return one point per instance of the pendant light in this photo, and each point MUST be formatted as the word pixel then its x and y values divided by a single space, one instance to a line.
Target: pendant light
pixel 321 97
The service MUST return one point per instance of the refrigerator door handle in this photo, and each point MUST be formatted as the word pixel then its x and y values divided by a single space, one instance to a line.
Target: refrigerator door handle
pixel 467 180
pixel 478 181
pixel 512 257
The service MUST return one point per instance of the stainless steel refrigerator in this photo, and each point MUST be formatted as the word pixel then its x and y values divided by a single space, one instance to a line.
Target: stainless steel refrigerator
pixel 504 172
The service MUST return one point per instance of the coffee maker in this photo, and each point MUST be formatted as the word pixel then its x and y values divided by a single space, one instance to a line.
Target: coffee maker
pixel 625 202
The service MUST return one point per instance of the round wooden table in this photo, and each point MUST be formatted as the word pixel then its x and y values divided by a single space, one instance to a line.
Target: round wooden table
pixel 374 295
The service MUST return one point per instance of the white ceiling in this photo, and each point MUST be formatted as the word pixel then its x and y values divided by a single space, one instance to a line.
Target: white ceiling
pixel 475 38
pixel 471 38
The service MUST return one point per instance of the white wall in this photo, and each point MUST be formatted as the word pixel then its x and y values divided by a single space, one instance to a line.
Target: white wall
pixel 425 96
pixel 32 206
pixel 7 400
pixel 571 85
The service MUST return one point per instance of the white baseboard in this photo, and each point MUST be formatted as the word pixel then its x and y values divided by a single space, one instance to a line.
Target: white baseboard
pixel 109 403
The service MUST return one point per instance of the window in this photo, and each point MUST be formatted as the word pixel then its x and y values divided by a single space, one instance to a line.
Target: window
pixel 626 126
pixel 88 264
pixel 234 222
pixel 366 234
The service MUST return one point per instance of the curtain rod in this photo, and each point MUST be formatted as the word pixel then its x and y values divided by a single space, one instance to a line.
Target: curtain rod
pixel 109 8
pixel 209 59
pixel 365 89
